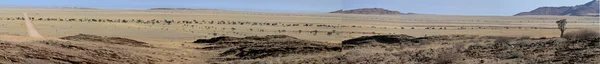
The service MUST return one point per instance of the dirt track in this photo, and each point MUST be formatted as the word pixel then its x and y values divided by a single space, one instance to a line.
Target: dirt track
pixel 30 28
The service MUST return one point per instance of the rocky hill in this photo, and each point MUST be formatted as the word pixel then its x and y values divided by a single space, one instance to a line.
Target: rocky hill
pixel 588 9
pixel 367 11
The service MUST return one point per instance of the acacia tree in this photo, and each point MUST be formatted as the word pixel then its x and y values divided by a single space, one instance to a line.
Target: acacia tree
pixel 561 25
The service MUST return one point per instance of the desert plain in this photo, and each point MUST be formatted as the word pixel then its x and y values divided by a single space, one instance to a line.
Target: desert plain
pixel 174 41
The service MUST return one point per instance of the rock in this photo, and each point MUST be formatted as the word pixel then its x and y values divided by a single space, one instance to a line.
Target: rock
pixel 380 40
pixel 110 40
pixel 399 40
pixel 254 47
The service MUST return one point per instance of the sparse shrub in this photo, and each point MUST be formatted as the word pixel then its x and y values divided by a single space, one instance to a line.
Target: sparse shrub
pixel 459 46
pixel 543 38
pixel 502 43
pixel 476 45
pixel 389 49
pixel 514 55
pixel 502 40
pixel 581 34
pixel 522 42
pixel 448 57
pixel 559 40
pixel 526 37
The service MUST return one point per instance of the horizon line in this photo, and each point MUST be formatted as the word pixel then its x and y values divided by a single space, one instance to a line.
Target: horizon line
pixel 147 9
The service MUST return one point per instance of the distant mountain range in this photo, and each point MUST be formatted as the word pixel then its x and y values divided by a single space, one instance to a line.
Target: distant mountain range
pixel 369 11
pixel 179 9
pixel 588 9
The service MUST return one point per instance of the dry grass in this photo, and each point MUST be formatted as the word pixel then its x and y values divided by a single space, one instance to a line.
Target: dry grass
pixel 582 34
pixel 451 56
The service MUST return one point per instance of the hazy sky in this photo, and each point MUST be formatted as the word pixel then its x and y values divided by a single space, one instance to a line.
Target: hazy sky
pixel 450 7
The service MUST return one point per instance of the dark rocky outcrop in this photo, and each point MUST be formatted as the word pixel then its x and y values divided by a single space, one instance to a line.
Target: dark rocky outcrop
pixel 388 39
pixel 110 40
pixel 401 40
pixel 588 9
pixel 253 47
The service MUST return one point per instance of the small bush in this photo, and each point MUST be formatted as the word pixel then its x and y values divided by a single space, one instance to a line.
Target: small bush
pixel 476 45
pixel 559 40
pixel 514 55
pixel 581 34
pixel 522 42
pixel 502 43
pixel 459 46
pixel 448 57
pixel 526 37
pixel 502 40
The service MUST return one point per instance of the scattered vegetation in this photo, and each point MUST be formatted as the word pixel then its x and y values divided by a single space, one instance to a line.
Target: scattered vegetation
pixel 582 34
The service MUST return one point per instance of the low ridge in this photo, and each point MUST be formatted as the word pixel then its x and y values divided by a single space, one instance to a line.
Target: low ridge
pixel 367 11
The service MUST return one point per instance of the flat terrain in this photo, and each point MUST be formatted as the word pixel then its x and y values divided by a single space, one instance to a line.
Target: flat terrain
pixel 30 28
pixel 166 38
pixel 534 26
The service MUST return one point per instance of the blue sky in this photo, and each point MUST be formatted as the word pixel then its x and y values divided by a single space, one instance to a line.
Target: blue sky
pixel 448 7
